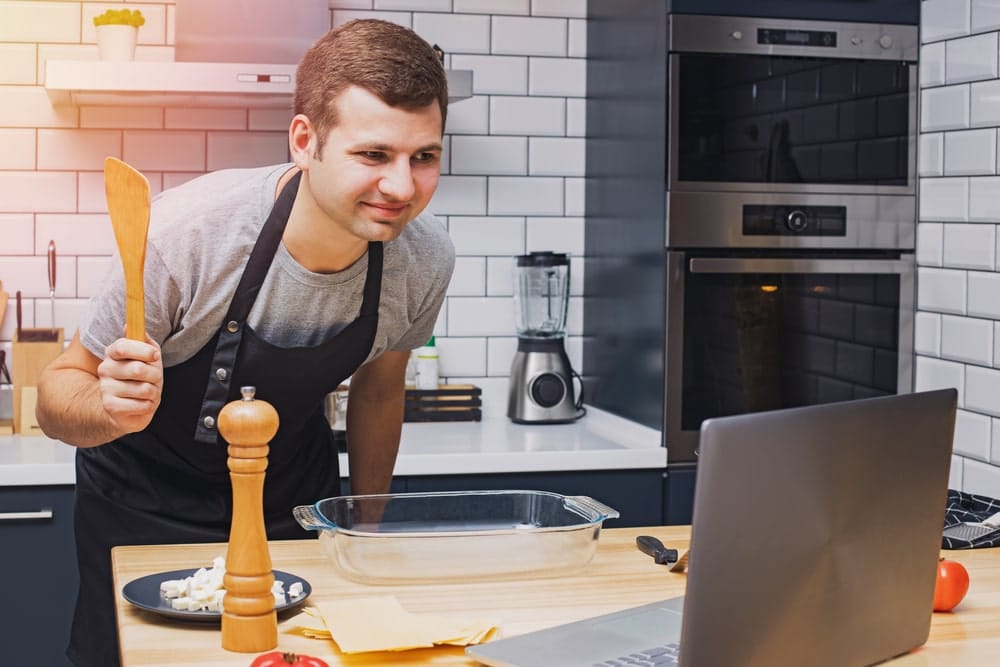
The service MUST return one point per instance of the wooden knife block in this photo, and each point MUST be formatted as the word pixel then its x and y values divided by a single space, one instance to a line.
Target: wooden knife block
pixel 28 359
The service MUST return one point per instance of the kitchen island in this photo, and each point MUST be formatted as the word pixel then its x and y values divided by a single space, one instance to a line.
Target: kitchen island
pixel 619 576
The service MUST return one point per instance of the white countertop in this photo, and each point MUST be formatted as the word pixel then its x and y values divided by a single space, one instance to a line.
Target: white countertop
pixel 27 460
pixel 598 441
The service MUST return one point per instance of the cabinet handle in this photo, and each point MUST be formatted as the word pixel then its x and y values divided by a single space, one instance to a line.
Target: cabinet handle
pixel 25 516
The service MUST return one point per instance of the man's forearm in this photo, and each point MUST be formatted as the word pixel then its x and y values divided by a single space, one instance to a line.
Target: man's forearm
pixel 70 409
pixel 373 430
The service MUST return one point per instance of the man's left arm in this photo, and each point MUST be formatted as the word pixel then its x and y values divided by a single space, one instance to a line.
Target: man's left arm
pixel 374 421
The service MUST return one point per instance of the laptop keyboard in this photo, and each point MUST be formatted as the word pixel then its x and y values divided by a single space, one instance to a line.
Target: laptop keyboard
pixel 651 657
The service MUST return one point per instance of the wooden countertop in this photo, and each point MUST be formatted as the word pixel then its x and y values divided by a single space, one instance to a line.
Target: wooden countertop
pixel 619 576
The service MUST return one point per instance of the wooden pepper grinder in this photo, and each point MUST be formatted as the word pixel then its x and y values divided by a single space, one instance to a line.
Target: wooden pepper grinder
pixel 249 622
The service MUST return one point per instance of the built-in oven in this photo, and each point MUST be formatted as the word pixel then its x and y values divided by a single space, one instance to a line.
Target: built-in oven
pixel 747 333
pixel 790 216
pixel 773 105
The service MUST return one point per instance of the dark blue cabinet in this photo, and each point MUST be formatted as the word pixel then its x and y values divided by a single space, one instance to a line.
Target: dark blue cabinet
pixel 678 494
pixel 636 494
pixel 38 561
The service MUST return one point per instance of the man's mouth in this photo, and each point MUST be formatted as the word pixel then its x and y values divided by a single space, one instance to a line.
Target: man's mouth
pixel 385 208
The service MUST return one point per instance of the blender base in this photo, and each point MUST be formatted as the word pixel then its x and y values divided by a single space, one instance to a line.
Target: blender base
pixel 541 383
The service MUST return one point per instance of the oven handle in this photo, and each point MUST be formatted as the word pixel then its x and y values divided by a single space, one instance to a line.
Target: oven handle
pixel 777 265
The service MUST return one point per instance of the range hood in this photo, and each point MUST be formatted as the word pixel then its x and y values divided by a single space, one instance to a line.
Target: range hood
pixel 227 53
pixel 202 84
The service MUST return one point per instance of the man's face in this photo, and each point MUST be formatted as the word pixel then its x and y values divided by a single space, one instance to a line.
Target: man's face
pixel 379 165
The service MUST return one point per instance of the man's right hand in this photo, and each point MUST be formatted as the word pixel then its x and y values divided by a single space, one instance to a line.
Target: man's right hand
pixel 86 401
pixel 131 382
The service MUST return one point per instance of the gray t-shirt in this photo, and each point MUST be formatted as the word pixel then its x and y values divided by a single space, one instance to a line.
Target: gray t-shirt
pixel 200 237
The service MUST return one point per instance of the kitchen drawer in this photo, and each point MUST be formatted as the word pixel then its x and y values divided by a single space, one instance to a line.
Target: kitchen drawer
pixel 38 561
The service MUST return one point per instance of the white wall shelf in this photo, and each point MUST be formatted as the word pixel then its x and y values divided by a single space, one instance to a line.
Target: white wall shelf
pixel 158 83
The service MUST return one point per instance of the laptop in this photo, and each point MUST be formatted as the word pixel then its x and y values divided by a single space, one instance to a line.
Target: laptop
pixel 815 538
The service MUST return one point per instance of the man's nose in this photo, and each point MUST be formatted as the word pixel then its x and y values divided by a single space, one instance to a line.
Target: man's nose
pixel 397 181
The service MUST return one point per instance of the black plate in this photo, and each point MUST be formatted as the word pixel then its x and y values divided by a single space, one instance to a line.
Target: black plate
pixel 144 593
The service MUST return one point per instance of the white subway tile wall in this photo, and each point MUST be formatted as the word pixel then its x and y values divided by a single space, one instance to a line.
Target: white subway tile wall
pixel 971 58
pixel 973 152
pixel 927 334
pixel 512 178
pixel 930 243
pixel 957 333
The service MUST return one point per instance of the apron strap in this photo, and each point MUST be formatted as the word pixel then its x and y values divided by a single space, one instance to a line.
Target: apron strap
pixel 230 336
pixel 373 281
pixel 231 333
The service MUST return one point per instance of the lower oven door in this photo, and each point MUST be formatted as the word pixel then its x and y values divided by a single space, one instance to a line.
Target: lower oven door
pixel 748 334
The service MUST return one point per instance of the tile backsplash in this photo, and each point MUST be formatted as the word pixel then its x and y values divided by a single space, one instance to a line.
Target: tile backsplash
pixel 512 178
pixel 958 247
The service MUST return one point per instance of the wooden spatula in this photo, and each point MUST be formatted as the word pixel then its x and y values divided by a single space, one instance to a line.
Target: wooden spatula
pixel 128 203
pixel 3 302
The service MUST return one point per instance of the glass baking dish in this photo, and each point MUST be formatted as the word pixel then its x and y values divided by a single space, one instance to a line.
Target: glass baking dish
pixel 458 535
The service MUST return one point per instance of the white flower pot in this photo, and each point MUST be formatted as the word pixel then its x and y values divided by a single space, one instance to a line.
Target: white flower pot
pixel 117 42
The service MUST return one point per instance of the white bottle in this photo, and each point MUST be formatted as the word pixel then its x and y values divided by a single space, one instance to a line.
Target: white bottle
pixel 427 366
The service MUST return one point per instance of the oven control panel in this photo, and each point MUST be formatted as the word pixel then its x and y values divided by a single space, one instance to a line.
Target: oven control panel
pixel 781 220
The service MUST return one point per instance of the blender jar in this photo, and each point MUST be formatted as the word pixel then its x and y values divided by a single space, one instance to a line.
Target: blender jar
pixel 541 294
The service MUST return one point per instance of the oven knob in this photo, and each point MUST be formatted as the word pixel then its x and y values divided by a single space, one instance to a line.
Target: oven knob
pixel 736 34
pixel 885 41
pixel 796 221
pixel 855 40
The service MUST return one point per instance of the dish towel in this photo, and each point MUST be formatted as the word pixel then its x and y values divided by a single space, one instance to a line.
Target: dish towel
pixel 962 507
pixel 380 623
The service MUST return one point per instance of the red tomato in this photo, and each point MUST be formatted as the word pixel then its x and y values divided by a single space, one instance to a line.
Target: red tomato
pixel 952 584
pixel 282 659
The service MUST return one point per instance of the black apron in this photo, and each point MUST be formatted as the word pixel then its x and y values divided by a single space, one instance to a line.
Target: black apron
pixel 170 483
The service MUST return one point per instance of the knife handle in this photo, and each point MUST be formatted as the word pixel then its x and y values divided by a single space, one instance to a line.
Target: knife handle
pixel 651 546
pixel 52 266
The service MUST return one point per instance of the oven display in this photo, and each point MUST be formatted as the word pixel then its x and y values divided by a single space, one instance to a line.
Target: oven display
pixel 797 37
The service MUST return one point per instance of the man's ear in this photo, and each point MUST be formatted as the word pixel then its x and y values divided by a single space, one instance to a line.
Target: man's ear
pixel 301 141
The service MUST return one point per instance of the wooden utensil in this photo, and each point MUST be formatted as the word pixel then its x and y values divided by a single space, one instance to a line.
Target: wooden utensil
pixel 127 193
pixel 52 283
pixel 3 302
pixel 681 564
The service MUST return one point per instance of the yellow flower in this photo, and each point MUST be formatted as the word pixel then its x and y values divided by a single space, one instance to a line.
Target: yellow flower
pixel 131 17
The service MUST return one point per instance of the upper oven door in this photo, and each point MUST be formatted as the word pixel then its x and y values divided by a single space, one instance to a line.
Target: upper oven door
pixel 769 105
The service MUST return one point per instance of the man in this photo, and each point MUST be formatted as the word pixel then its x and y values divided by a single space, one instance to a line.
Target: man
pixel 288 278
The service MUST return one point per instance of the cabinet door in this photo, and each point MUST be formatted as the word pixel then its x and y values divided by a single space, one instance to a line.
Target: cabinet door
pixel 38 561
pixel 678 494
pixel 636 494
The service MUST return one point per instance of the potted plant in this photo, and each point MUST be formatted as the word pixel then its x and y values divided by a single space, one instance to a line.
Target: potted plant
pixel 117 33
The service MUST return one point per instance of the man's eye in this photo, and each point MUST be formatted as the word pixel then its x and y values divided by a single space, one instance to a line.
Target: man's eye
pixel 425 157
pixel 373 155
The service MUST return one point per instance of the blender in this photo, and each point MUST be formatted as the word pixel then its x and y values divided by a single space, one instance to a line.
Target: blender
pixel 541 377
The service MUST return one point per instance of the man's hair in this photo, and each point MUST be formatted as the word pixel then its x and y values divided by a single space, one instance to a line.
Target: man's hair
pixel 389 61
